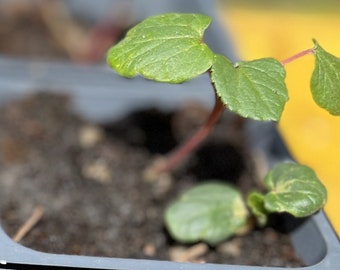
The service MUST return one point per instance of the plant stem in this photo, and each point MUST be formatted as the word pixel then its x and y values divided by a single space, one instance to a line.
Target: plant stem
pixel 186 148
pixel 297 56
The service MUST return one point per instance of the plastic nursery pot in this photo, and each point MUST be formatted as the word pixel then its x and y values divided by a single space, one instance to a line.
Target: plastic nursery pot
pixel 314 240
pixel 98 94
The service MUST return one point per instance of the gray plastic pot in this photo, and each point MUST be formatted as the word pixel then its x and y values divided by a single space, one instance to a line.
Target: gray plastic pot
pixel 99 95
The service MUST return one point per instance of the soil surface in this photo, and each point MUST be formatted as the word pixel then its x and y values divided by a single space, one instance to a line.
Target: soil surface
pixel 88 180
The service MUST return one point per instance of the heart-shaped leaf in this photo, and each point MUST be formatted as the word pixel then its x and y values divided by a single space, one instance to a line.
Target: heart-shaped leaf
pixel 209 212
pixel 295 189
pixel 325 81
pixel 166 48
pixel 254 89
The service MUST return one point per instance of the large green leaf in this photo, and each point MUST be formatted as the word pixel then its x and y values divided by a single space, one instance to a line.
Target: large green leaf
pixel 295 189
pixel 254 89
pixel 166 48
pixel 209 212
pixel 325 82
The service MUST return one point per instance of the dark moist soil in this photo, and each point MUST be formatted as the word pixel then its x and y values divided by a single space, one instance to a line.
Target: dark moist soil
pixel 87 178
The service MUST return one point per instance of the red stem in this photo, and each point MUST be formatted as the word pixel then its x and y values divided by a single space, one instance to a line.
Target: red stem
pixel 297 56
pixel 186 148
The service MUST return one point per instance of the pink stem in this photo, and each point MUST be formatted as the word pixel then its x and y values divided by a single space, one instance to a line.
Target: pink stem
pixel 185 149
pixel 297 56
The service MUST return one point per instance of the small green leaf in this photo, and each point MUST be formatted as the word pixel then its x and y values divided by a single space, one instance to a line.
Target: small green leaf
pixel 294 189
pixel 209 212
pixel 255 201
pixel 325 81
pixel 166 48
pixel 254 89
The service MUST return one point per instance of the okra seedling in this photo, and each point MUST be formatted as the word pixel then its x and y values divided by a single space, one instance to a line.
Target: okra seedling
pixel 170 48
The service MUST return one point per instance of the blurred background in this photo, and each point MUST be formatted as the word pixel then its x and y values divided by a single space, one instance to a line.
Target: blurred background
pixel 76 30
pixel 81 31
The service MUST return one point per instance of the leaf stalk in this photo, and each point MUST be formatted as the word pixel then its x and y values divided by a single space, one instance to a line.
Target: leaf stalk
pixel 297 56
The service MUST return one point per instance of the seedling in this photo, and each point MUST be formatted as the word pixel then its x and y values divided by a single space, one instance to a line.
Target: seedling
pixel 170 48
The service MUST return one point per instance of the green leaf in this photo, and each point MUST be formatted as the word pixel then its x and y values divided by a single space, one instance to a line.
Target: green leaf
pixel 325 81
pixel 209 212
pixel 294 189
pixel 254 89
pixel 255 201
pixel 166 48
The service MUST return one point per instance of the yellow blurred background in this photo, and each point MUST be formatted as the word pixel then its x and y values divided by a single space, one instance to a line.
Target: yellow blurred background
pixel 281 29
